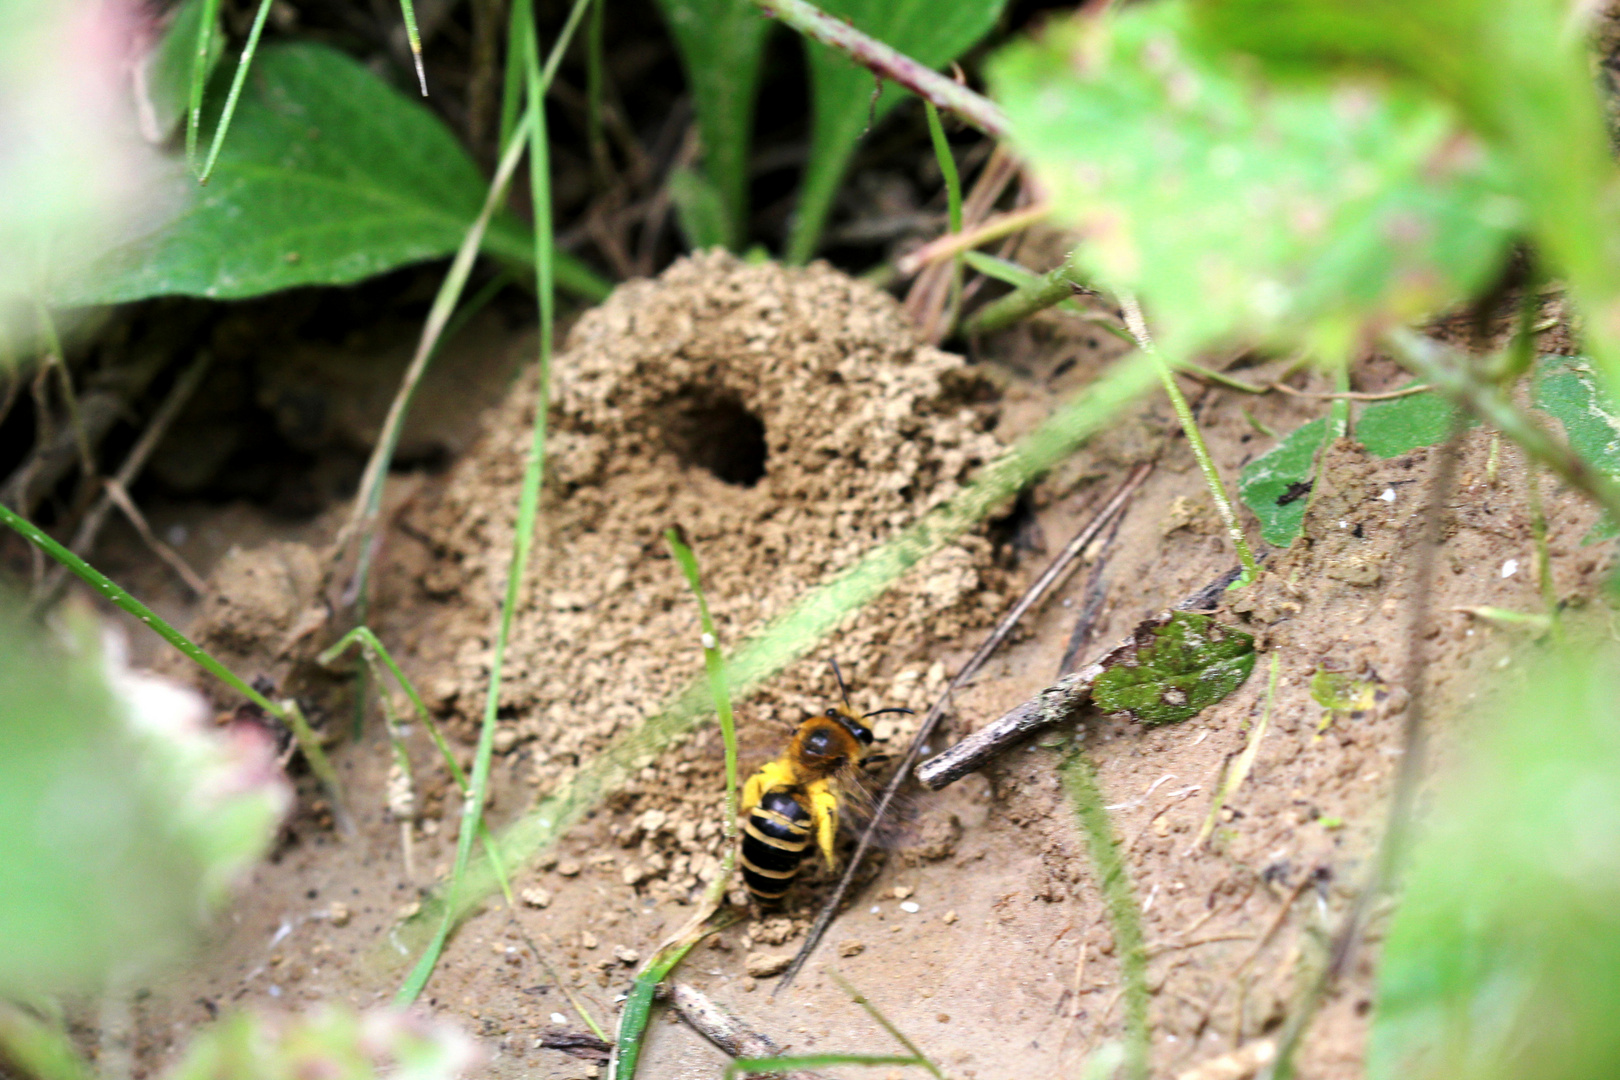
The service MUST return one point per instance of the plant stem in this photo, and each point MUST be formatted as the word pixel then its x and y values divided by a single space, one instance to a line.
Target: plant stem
pixel 1114 882
pixel 1048 290
pixel 887 63
pixel 242 65
pixel 1441 368
pixel 286 711
pixel 1195 440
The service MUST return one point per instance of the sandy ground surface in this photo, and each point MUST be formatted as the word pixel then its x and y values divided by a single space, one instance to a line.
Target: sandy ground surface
pixel 788 422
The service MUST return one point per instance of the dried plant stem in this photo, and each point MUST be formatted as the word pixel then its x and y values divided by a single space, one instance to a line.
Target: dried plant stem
pixel 887 63
pixel 957 242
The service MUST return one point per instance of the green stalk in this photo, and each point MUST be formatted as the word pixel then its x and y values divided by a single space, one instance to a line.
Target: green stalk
pixel 715 665
pixel 1195 440
pixel 528 501
pixel 199 77
pixel 638 1005
pixel 38 1049
pixel 773 1065
pixel 242 65
pixel 1114 882
pixel 377 658
pixel 886 1024
pixel 286 711
pixel 953 197
pixel 409 14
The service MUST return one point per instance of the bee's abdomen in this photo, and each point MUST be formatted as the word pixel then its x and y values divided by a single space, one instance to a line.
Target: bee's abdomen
pixel 775 838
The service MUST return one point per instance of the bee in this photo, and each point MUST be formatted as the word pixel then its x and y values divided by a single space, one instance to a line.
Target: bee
pixel 794 800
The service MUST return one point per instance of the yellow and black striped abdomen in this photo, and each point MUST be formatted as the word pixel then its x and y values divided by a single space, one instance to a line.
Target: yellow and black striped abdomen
pixel 776 835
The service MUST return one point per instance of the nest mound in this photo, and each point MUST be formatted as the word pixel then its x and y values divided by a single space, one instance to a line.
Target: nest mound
pixel 788 420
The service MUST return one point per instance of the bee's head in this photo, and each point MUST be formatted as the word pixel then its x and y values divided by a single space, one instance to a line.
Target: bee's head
pixel 851 723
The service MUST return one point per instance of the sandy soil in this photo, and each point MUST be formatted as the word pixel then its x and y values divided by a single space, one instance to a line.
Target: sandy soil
pixel 1001 962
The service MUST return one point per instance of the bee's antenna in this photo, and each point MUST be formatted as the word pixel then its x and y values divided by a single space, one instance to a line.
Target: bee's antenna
pixel 880 712
pixel 842 689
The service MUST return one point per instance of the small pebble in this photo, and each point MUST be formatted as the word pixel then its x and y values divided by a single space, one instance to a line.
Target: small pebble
pixel 762 965
pixel 1510 568
pixel 708 641
pixel 568 868
pixel 749 986
pixel 1388 495
pixel 911 907
pixel 558 1018
pixel 851 947
pixel 588 940
pixel 535 896
pixel 948 918
pixel 902 891
pixel 625 954
pixel 943 1018
pixel 505 739
pixel 338 913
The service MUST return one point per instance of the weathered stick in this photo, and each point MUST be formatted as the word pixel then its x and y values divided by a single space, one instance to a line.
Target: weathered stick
pixel 717 1024
pixel 1057 704
pixel 887 63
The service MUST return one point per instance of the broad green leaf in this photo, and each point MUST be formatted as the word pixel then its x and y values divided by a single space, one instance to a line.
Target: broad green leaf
pixel 1242 211
pixel 930 32
pixel 1180 666
pixel 1503 960
pixel 168 67
pixel 1518 71
pixel 1391 428
pixel 1276 485
pixel 329 176
pixel 721 43
pixel 1567 388
pixel 125 813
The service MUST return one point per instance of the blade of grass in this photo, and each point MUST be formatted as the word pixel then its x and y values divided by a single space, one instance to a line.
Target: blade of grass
pixel 953 204
pixel 242 64
pixel 287 711
pixel 377 659
pixel 1114 881
pixel 39 1049
pixel 885 1023
pixel 528 501
pixel 818 612
pixel 638 1006
pixel 200 69
pixel 409 13
pixel 762 1066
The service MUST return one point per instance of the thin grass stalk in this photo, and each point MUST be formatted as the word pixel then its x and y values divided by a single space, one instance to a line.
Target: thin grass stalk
pixel 953 203
pixel 528 500
pixel 886 1024
pixel 409 14
pixel 56 358
pixel 1240 768
pixel 1125 916
pixel 378 659
pixel 638 1006
pixel 242 64
pixel 771 1065
pixel 797 631
pixel 39 1049
pixel 1195 440
pixel 286 711
pixel 199 78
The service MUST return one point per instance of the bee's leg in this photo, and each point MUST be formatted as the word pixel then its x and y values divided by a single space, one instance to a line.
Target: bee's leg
pixel 753 791
pixel 824 811
pixel 874 762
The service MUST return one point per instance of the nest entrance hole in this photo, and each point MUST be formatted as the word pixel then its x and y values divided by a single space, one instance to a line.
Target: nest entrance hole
pixel 713 430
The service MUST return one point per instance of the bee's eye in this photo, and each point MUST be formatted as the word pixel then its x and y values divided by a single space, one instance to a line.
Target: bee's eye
pixel 832 714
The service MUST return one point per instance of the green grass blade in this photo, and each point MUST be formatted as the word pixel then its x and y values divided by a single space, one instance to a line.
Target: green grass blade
pixel 409 13
pixel 287 712
pixel 242 65
pixel 715 665
pixel 1114 881
pixel 39 1049
pixel 886 1024
pixel 947 167
pixel 201 67
pixel 534 132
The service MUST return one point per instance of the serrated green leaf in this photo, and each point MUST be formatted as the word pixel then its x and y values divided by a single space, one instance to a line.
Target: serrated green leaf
pixel 329 176
pixel 1178 669
pixel 931 33
pixel 1391 428
pixel 1503 958
pixel 1275 485
pixel 1566 387
pixel 721 43
pixel 1242 211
